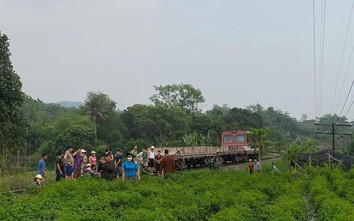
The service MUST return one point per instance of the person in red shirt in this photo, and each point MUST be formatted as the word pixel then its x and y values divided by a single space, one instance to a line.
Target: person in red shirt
pixel 167 164
pixel 250 166
pixel 158 159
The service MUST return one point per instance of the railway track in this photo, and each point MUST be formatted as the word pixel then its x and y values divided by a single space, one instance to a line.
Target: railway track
pixel 243 165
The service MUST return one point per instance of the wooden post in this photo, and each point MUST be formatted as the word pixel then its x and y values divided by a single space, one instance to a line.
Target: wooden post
pixel 3 155
pixel 310 161
pixel 18 158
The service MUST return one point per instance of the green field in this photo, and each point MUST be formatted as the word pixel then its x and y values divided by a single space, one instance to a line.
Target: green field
pixel 192 195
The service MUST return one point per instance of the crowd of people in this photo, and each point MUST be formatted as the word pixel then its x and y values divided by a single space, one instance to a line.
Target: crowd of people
pixel 75 164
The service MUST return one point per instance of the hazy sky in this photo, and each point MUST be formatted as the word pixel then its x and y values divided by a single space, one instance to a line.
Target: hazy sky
pixel 236 52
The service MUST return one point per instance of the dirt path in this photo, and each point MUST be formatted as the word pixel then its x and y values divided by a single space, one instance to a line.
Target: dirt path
pixel 242 166
pixel 311 210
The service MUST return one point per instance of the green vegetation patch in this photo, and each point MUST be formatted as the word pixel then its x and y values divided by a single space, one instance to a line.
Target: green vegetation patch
pixel 192 195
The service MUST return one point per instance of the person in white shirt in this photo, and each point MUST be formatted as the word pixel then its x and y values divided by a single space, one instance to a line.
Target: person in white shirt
pixel 274 168
pixel 151 156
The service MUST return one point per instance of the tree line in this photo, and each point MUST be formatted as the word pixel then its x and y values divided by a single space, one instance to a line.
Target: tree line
pixel 173 118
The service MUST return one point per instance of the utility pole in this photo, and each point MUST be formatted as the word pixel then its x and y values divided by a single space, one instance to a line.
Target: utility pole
pixel 333 133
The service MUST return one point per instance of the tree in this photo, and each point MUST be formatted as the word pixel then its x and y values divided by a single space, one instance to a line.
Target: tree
pixel 76 136
pixel 261 140
pixel 184 96
pixel 328 119
pixel 97 106
pixel 257 108
pixel 303 117
pixel 111 131
pixel 241 119
pixel 161 125
pixel 130 118
pixel 197 139
pixel 13 127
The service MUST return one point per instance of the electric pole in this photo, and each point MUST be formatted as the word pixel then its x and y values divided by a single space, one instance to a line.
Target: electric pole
pixel 333 133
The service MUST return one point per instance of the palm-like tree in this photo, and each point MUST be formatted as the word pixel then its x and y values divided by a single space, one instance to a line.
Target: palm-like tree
pixel 97 105
pixel 261 140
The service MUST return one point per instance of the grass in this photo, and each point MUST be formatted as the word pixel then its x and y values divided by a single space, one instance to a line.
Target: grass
pixel 21 178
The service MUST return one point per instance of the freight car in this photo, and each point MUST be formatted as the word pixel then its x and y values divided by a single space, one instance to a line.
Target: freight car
pixel 235 146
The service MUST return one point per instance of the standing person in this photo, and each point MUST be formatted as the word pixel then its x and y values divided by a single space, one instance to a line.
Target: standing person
pixel 131 169
pixel 151 156
pixel 59 166
pixel 211 163
pixel 68 163
pixel 257 165
pixel 41 165
pixel 250 166
pixel 143 160
pixel 167 164
pixel 118 162
pixel 134 152
pixel 78 159
pixel 158 159
pixel 93 159
pixel 84 160
pixel 274 168
pixel 108 168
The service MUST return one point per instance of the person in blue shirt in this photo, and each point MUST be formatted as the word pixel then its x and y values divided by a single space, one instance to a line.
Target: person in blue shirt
pixel 118 160
pixel 131 169
pixel 257 165
pixel 41 165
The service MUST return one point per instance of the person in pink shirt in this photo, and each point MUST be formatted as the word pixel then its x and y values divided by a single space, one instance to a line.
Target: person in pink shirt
pixel 93 159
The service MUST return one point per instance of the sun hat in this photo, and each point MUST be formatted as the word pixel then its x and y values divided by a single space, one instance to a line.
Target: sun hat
pixel 83 151
pixel 92 152
pixel 38 176
pixel 152 147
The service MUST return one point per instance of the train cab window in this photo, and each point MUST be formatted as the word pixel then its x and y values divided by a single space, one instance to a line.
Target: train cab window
pixel 250 138
pixel 240 138
pixel 228 139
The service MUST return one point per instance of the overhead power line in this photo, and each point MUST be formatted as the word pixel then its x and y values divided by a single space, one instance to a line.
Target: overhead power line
pixel 314 53
pixel 322 47
pixel 349 108
pixel 345 101
pixel 341 90
pixel 341 60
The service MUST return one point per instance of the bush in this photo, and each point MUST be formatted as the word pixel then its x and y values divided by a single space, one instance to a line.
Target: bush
pixel 191 195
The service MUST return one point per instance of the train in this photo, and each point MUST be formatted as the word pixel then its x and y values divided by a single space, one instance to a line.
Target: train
pixel 236 146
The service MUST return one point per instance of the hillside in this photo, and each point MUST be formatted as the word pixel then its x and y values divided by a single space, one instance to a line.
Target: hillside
pixel 69 104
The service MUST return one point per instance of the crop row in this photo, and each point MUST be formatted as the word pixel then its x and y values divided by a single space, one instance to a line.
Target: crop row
pixel 193 195
pixel 332 193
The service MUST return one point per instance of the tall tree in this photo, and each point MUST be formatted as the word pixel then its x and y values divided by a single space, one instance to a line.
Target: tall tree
pixel 262 142
pixel 183 96
pixel 241 119
pixel 75 136
pixel 13 127
pixel 160 125
pixel 163 124
pixel 97 106
pixel 130 117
